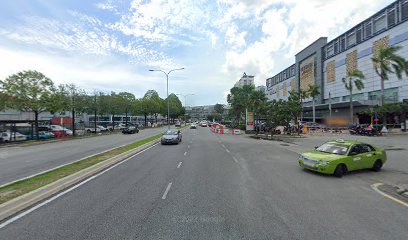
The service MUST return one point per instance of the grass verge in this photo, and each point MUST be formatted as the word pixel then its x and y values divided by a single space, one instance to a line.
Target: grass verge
pixel 19 188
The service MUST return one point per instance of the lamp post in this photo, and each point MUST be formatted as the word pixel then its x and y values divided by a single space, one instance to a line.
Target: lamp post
pixel 168 100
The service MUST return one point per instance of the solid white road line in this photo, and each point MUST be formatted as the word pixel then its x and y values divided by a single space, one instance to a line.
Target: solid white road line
pixel 223 145
pixel 185 153
pixel 188 146
pixel 167 191
pixel 375 188
pixel 22 214
pixel 235 160
pixel 228 151
pixel 178 166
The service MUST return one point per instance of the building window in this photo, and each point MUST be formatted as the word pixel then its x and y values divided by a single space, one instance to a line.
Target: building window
pixel 292 70
pixel 330 50
pixel 336 47
pixel 358 35
pixel 342 44
pixel 368 30
pixel 284 74
pixel 351 39
pixel 404 10
pixel 391 17
pixel 379 23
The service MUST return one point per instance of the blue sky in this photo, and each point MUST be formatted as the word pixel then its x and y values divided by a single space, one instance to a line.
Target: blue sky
pixel 108 45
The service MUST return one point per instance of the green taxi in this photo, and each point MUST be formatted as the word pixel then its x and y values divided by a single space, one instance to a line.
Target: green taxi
pixel 339 157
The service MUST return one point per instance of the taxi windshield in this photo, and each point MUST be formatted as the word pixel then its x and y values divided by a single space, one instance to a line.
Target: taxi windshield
pixel 333 149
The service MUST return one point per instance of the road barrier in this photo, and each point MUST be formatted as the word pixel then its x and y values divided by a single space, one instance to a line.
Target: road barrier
pixel 236 131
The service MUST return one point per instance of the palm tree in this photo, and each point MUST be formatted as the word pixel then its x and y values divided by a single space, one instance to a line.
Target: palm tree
pixel 312 92
pixel 355 78
pixel 303 94
pixel 385 57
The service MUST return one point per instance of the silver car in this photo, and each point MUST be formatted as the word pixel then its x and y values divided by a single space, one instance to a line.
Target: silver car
pixel 171 137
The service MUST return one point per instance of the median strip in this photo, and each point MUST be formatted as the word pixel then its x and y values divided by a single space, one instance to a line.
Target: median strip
pixel 19 195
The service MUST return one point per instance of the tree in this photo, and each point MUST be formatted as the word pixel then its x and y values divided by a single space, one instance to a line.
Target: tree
pixel 219 110
pixel 176 108
pixel 155 103
pixel 126 101
pixel 295 105
pixel 144 108
pixel 303 94
pixel 70 97
pixel 242 99
pixel 313 92
pixel 385 57
pixel 355 78
pixel 29 91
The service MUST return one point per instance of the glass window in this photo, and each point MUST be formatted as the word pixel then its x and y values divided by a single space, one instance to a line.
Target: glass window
pixel 330 50
pixel 333 148
pixel 358 35
pixel 342 44
pixel 379 23
pixel 368 30
pixel 404 10
pixel 336 47
pixel 351 39
pixel 391 17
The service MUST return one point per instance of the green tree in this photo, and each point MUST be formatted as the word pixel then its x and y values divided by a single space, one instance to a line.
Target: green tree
pixel 29 91
pixel 155 103
pixel 295 105
pixel 387 62
pixel 126 101
pixel 70 97
pixel 313 91
pixel 176 108
pixel 353 78
pixel 144 108
pixel 219 110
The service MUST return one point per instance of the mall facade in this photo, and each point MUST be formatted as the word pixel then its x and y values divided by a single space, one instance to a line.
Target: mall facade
pixel 325 63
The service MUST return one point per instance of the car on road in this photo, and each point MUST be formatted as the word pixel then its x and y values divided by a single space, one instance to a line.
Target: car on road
pixel 178 124
pixel 339 157
pixel 130 130
pixel 171 137
pixel 203 124
pixel 193 126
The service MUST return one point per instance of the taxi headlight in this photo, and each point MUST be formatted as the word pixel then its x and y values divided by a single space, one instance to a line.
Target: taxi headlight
pixel 324 163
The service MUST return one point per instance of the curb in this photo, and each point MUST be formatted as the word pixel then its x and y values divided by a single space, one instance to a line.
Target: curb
pixel 22 202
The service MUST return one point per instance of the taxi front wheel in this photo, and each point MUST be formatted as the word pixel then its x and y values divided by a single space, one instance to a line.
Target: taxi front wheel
pixel 377 165
pixel 340 171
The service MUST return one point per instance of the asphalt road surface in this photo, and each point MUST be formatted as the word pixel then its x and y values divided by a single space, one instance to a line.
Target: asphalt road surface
pixel 19 162
pixel 226 187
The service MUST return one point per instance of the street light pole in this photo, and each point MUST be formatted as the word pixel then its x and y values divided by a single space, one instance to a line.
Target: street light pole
pixel 168 100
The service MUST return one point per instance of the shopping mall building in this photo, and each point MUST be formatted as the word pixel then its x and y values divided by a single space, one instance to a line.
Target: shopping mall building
pixel 325 64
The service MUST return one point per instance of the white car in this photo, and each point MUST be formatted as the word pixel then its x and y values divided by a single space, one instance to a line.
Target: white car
pixel 12 137
pixel 203 124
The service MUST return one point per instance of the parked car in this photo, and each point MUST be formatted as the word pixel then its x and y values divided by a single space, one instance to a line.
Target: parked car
pixel 178 124
pixel 12 136
pixel 93 129
pixel 130 130
pixel 339 157
pixel 171 137
pixel 102 128
pixel 119 126
pixel 42 135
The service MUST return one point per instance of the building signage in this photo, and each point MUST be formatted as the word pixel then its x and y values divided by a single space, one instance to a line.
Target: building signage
pixel 250 121
pixel 307 74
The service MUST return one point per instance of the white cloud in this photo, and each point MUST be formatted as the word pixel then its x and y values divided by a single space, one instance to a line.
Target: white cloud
pixel 90 73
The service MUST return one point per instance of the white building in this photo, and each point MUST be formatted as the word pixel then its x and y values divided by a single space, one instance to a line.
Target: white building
pixel 261 88
pixel 245 80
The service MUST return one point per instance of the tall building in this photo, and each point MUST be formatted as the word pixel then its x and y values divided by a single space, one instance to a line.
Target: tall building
pixel 261 88
pixel 245 80
pixel 325 63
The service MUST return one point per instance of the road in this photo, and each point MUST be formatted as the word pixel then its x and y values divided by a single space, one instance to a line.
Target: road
pixel 226 187
pixel 19 162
